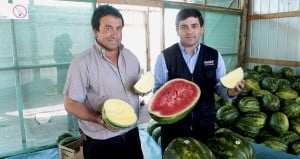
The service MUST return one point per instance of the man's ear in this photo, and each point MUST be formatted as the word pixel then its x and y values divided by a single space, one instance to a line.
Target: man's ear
pixel 96 33
pixel 202 30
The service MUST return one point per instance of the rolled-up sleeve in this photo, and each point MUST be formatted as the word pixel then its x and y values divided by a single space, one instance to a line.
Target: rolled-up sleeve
pixel 220 72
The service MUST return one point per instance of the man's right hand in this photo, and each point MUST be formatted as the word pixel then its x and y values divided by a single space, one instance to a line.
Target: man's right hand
pixel 102 123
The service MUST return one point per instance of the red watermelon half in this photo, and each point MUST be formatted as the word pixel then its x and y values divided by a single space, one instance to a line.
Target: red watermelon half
pixel 173 101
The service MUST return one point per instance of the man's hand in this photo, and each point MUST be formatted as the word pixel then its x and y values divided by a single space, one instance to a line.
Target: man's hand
pixel 102 123
pixel 237 89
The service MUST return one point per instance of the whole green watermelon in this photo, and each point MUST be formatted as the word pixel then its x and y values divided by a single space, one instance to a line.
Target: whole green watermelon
pixel 287 94
pixel 292 110
pixel 63 136
pixel 289 137
pixel 279 122
pixel 226 115
pixel 295 124
pixel 156 133
pixel 270 102
pixel 229 145
pixel 265 75
pixel 296 147
pixel 258 117
pixel 152 124
pixel 245 92
pixel 251 74
pixel 276 75
pixel 257 93
pixel 283 83
pixel 296 86
pixel 247 127
pixel 249 104
pixel 263 69
pixel 297 100
pixel 287 72
pixel 276 144
pixel 252 84
pixel 269 84
pixel 187 148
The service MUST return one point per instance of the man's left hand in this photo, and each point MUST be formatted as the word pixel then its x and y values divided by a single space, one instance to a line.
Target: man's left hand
pixel 237 89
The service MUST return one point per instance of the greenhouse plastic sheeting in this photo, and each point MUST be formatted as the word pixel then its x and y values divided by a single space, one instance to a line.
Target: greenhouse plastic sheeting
pixel 152 151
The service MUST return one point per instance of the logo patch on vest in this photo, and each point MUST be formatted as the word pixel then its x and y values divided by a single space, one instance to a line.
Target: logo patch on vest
pixel 209 63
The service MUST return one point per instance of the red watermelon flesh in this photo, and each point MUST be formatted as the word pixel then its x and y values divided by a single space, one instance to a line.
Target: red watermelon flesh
pixel 174 100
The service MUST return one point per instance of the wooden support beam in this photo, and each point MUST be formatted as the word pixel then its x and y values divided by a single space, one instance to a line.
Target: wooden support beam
pixel 160 3
pixel 202 6
pixel 243 34
pixel 273 62
pixel 147 30
pixel 274 15
pixel 149 3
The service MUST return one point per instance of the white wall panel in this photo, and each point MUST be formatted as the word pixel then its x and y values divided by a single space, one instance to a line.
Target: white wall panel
pixel 263 39
pixel 273 6
pixel 282 39
pixel 272 37
pixel 277 38
pixel 264 6
pixel 255 39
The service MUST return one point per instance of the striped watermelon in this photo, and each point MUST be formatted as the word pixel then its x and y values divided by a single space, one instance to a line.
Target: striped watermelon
pixel 230 145
pixel 187 148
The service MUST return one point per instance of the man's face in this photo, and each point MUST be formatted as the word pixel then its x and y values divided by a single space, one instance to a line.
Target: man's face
pixel 109 34
pixel 189 31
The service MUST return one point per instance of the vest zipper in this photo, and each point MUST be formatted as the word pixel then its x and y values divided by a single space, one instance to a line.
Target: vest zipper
pixel 192 116
pixel 192 113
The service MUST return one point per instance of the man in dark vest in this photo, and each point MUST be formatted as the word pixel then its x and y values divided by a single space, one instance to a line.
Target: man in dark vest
pixel 194 61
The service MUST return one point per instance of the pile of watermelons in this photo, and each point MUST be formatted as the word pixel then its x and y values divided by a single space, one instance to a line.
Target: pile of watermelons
pixel 225 144
pixel 267 110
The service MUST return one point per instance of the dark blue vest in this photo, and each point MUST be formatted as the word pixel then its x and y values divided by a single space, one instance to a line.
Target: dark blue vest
pixel 203 115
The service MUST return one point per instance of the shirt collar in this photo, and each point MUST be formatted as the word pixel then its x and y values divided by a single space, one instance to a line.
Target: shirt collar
pixel 183 51
pixel 101 50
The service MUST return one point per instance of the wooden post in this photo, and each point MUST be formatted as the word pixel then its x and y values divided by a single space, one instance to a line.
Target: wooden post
pixel 148 57
pixel 243 34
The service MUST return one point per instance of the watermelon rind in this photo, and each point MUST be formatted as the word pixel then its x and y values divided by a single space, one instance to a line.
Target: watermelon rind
pixel 172 118
pixel 110 124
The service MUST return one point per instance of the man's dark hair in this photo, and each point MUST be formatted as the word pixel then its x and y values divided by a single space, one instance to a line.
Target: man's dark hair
pixel 102 11
pixel 188 12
